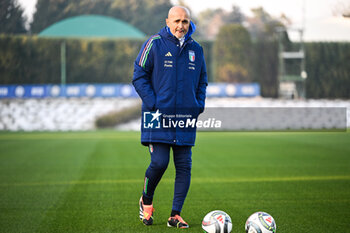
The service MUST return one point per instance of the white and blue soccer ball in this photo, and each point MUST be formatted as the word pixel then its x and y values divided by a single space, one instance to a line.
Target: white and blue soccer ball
pixel 260 222
pixel 217 221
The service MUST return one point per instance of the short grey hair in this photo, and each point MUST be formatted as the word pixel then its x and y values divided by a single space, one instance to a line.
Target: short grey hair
pixel 182 7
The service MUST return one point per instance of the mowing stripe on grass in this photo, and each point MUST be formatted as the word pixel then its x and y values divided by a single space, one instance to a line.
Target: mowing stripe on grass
pixel 79 136
pixel 194 180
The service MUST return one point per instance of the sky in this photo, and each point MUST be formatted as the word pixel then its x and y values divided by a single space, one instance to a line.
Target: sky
pixel 321 23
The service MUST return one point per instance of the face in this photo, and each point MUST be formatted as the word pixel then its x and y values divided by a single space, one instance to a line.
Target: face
pixel 178 21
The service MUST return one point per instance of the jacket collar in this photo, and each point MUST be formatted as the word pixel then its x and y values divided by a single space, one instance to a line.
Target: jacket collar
pixel 165 32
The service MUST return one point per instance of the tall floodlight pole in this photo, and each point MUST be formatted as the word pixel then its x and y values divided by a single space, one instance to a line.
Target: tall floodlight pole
pixel 63 63
pixel 303 15
pixel 303 73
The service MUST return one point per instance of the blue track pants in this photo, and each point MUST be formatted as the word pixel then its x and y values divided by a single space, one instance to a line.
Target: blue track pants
pixel 160 154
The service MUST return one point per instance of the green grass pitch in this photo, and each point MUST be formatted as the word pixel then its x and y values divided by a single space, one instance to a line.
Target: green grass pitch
pixel 92 181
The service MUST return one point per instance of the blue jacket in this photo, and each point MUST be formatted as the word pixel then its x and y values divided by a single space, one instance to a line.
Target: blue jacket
pixel 171 79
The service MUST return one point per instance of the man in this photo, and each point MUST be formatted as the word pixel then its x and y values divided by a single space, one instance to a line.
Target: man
pixel 170 77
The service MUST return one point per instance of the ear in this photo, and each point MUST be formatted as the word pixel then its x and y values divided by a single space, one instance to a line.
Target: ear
pixel 167 22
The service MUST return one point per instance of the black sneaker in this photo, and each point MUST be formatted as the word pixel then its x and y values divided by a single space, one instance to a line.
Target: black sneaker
pixel 177 222
pixel 146 213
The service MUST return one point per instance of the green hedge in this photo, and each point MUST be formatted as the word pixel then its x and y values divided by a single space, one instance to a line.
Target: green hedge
pixel 327 65
pixel 264 67
pixel 33 60
pixel 113 119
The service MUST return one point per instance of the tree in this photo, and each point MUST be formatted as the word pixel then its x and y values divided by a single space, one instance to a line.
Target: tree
pixel 249 53
pixel 263 31
pixel 262 26
pixel 146 15
pixel 49 12
pixel 209 23
pixel 11 17
pixel 211 20
pixel 232 51
pixel 235 16
pixel 342 8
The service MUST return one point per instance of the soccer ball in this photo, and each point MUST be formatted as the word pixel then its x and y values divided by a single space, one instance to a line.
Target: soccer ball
pixel 217 221
pixel 260 222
